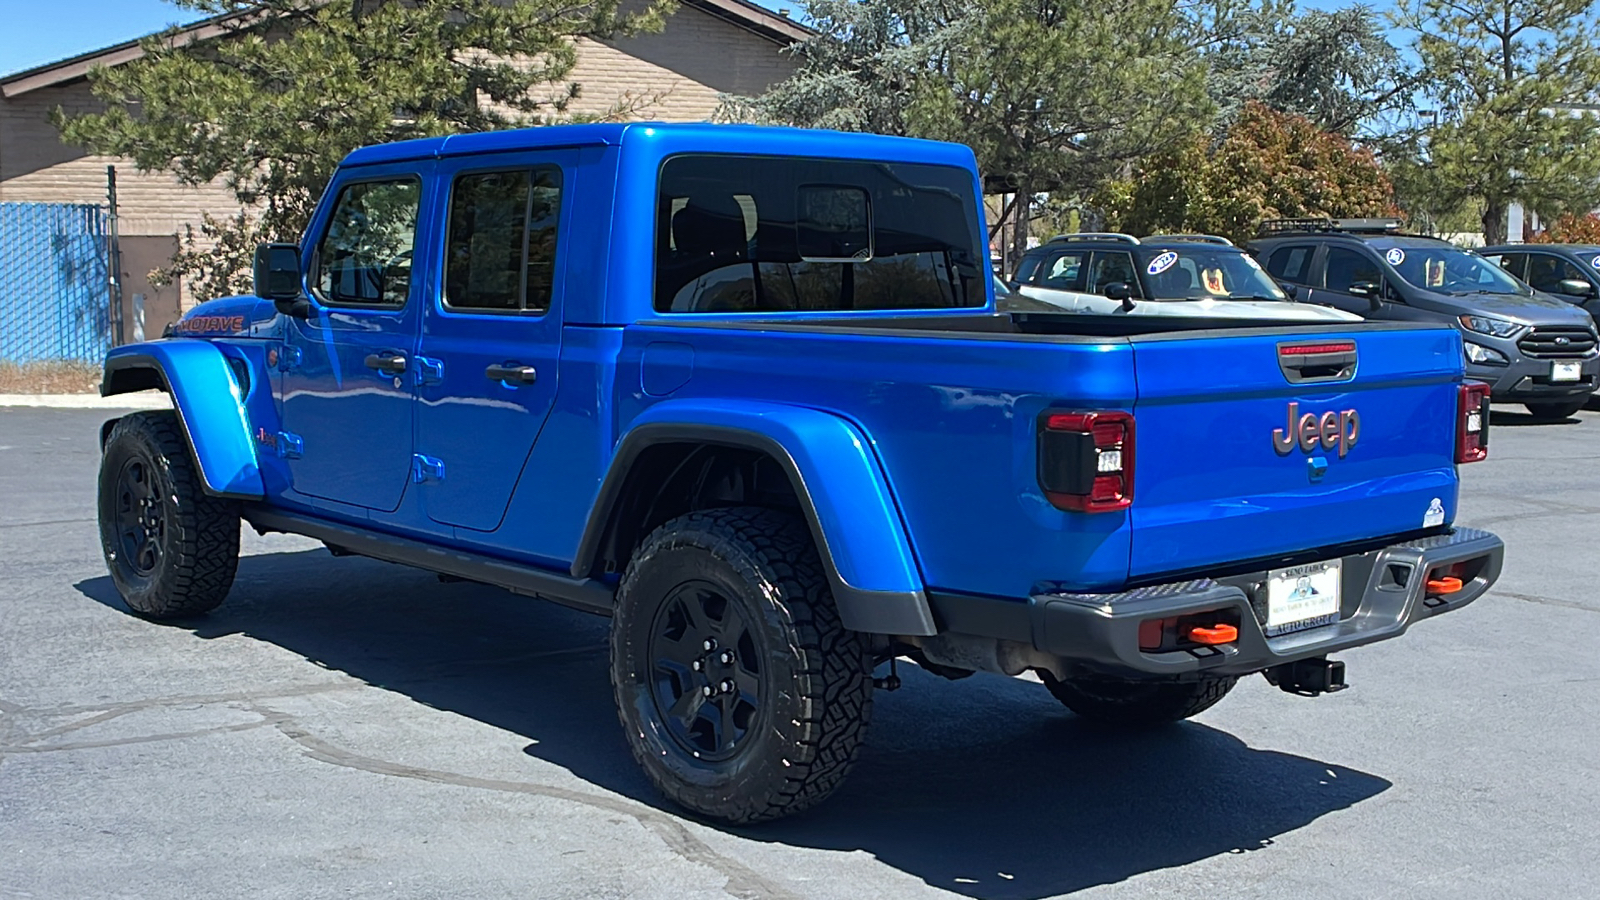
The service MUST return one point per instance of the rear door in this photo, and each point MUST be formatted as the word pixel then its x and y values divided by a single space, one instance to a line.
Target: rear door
pixel 1243 453
pixel 491 333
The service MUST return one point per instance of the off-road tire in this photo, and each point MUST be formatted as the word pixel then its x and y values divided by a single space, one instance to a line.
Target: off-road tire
pixel 1556 410
pixel 815 677
pixel 184 566
pixel 1138 704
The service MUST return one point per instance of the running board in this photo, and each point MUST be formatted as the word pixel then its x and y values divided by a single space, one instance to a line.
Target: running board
pixel 586 594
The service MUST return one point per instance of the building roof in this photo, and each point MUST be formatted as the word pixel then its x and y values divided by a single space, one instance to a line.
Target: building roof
pixel 741 13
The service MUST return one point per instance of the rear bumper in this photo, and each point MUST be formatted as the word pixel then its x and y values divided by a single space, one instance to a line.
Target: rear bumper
pixel 1383 593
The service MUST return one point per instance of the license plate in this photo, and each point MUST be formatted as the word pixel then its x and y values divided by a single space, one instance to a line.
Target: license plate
pixel 1566 371
pixel 1302 597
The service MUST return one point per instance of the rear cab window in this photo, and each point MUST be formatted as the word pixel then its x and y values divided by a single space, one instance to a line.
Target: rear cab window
pixel 774 234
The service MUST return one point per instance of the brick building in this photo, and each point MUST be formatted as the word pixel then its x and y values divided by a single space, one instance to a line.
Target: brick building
pixel 708 47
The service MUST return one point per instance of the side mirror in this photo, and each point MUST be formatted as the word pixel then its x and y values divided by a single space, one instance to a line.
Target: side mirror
pixel 1292 290
pixel 277 278
pixel 1120 292
pixel 1368 290
pixel 1576 287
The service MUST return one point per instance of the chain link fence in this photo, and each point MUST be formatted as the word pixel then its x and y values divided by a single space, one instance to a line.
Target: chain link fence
pixel 54 285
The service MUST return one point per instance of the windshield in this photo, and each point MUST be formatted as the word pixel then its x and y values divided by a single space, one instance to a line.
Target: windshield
pixel 1591 258
pixel 1449 270
pixel 1207 273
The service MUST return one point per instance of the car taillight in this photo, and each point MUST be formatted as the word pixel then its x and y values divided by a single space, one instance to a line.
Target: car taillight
pixel 1086 460
pixel 1472 422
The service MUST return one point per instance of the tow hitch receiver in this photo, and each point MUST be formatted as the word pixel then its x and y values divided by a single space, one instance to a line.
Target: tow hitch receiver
pixel 1308 677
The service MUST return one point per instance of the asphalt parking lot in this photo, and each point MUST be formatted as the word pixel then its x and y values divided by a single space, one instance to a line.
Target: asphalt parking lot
pixel 346 728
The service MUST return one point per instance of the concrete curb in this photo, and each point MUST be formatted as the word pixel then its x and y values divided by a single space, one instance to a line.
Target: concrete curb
pixel 137 400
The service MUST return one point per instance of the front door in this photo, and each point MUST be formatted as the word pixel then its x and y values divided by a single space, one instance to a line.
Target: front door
pixel 491 333
pixel 348 374
pixel 1344 268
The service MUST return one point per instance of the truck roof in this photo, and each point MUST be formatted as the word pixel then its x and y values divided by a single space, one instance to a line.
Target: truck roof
pixel 675 137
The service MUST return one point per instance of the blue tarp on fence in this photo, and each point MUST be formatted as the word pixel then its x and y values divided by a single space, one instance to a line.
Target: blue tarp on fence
pixel 54 292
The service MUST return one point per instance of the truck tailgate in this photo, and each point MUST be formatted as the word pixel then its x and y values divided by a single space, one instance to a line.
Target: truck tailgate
pixel 1214 485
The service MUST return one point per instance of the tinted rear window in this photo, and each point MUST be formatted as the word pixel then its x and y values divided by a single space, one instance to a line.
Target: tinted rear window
pixel 743 234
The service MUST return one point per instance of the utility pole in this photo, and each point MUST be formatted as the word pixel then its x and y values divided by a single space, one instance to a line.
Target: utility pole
pixel 114 259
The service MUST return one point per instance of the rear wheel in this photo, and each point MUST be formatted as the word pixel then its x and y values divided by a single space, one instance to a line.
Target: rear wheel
pixel 1138 704
pixel 740 693
pixel 171 548
pixel 1556 409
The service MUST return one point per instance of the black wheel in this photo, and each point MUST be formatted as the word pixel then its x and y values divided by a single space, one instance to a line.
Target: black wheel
pixel 740 694
pixel 1138 704
pixel 171 548
pixel 1556 409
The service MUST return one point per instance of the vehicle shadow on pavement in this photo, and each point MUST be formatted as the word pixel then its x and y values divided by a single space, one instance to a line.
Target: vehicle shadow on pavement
pixel 1503 418
pixel 985 787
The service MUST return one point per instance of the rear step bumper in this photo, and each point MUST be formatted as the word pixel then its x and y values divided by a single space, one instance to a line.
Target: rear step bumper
pixel 1384 593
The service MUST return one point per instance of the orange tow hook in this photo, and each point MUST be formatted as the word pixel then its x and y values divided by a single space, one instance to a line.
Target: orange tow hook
pixel 1217 634
pixel 1447 585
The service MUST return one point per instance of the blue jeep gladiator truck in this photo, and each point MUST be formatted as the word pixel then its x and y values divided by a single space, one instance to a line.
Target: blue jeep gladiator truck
pixel 746 391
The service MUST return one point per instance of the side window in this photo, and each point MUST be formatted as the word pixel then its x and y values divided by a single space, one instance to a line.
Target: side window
pixel 500 252
pixel 1109 268
pixel 1546 272
pixel 1347 267
pixel 1511 262
pixel 364 257
pixel 1063 271
pixel 1026 268
pixel 1292 264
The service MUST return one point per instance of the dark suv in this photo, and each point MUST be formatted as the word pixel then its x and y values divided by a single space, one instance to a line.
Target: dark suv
pixel 1570 272
pixel 1531 348
pixel 1198 276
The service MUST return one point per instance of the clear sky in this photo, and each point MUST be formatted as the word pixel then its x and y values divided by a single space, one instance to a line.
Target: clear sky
pixel 34 32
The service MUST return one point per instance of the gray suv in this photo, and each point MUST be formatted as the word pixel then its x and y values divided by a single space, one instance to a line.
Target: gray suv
pixel 1530 347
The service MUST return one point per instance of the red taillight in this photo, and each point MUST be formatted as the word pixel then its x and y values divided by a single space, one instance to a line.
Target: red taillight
pixel 1086 460
pixel 1472 422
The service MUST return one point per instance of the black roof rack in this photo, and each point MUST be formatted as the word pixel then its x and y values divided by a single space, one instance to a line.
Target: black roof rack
pixel 1326 225
pixel 1192 239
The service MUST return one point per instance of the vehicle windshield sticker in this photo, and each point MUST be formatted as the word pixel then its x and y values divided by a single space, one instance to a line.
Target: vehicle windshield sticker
pixel 1434 515
pixel 1395 256
pixel 1595 262
pixel 1212 279
pixel 1251 262
pixel 1162 263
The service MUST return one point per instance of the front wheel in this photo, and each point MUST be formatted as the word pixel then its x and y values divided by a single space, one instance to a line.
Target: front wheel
pixel 1556 409
pixel 171 548
pixel 1138 704
pixel 740 693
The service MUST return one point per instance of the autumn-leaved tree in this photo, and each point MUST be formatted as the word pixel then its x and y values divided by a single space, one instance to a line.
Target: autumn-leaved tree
pixel 271 106
pixel 1269 165
pixel 1571 228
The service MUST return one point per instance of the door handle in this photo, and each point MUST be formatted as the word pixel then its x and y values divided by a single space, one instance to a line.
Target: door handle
pixel 515 373
pixel 392 364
